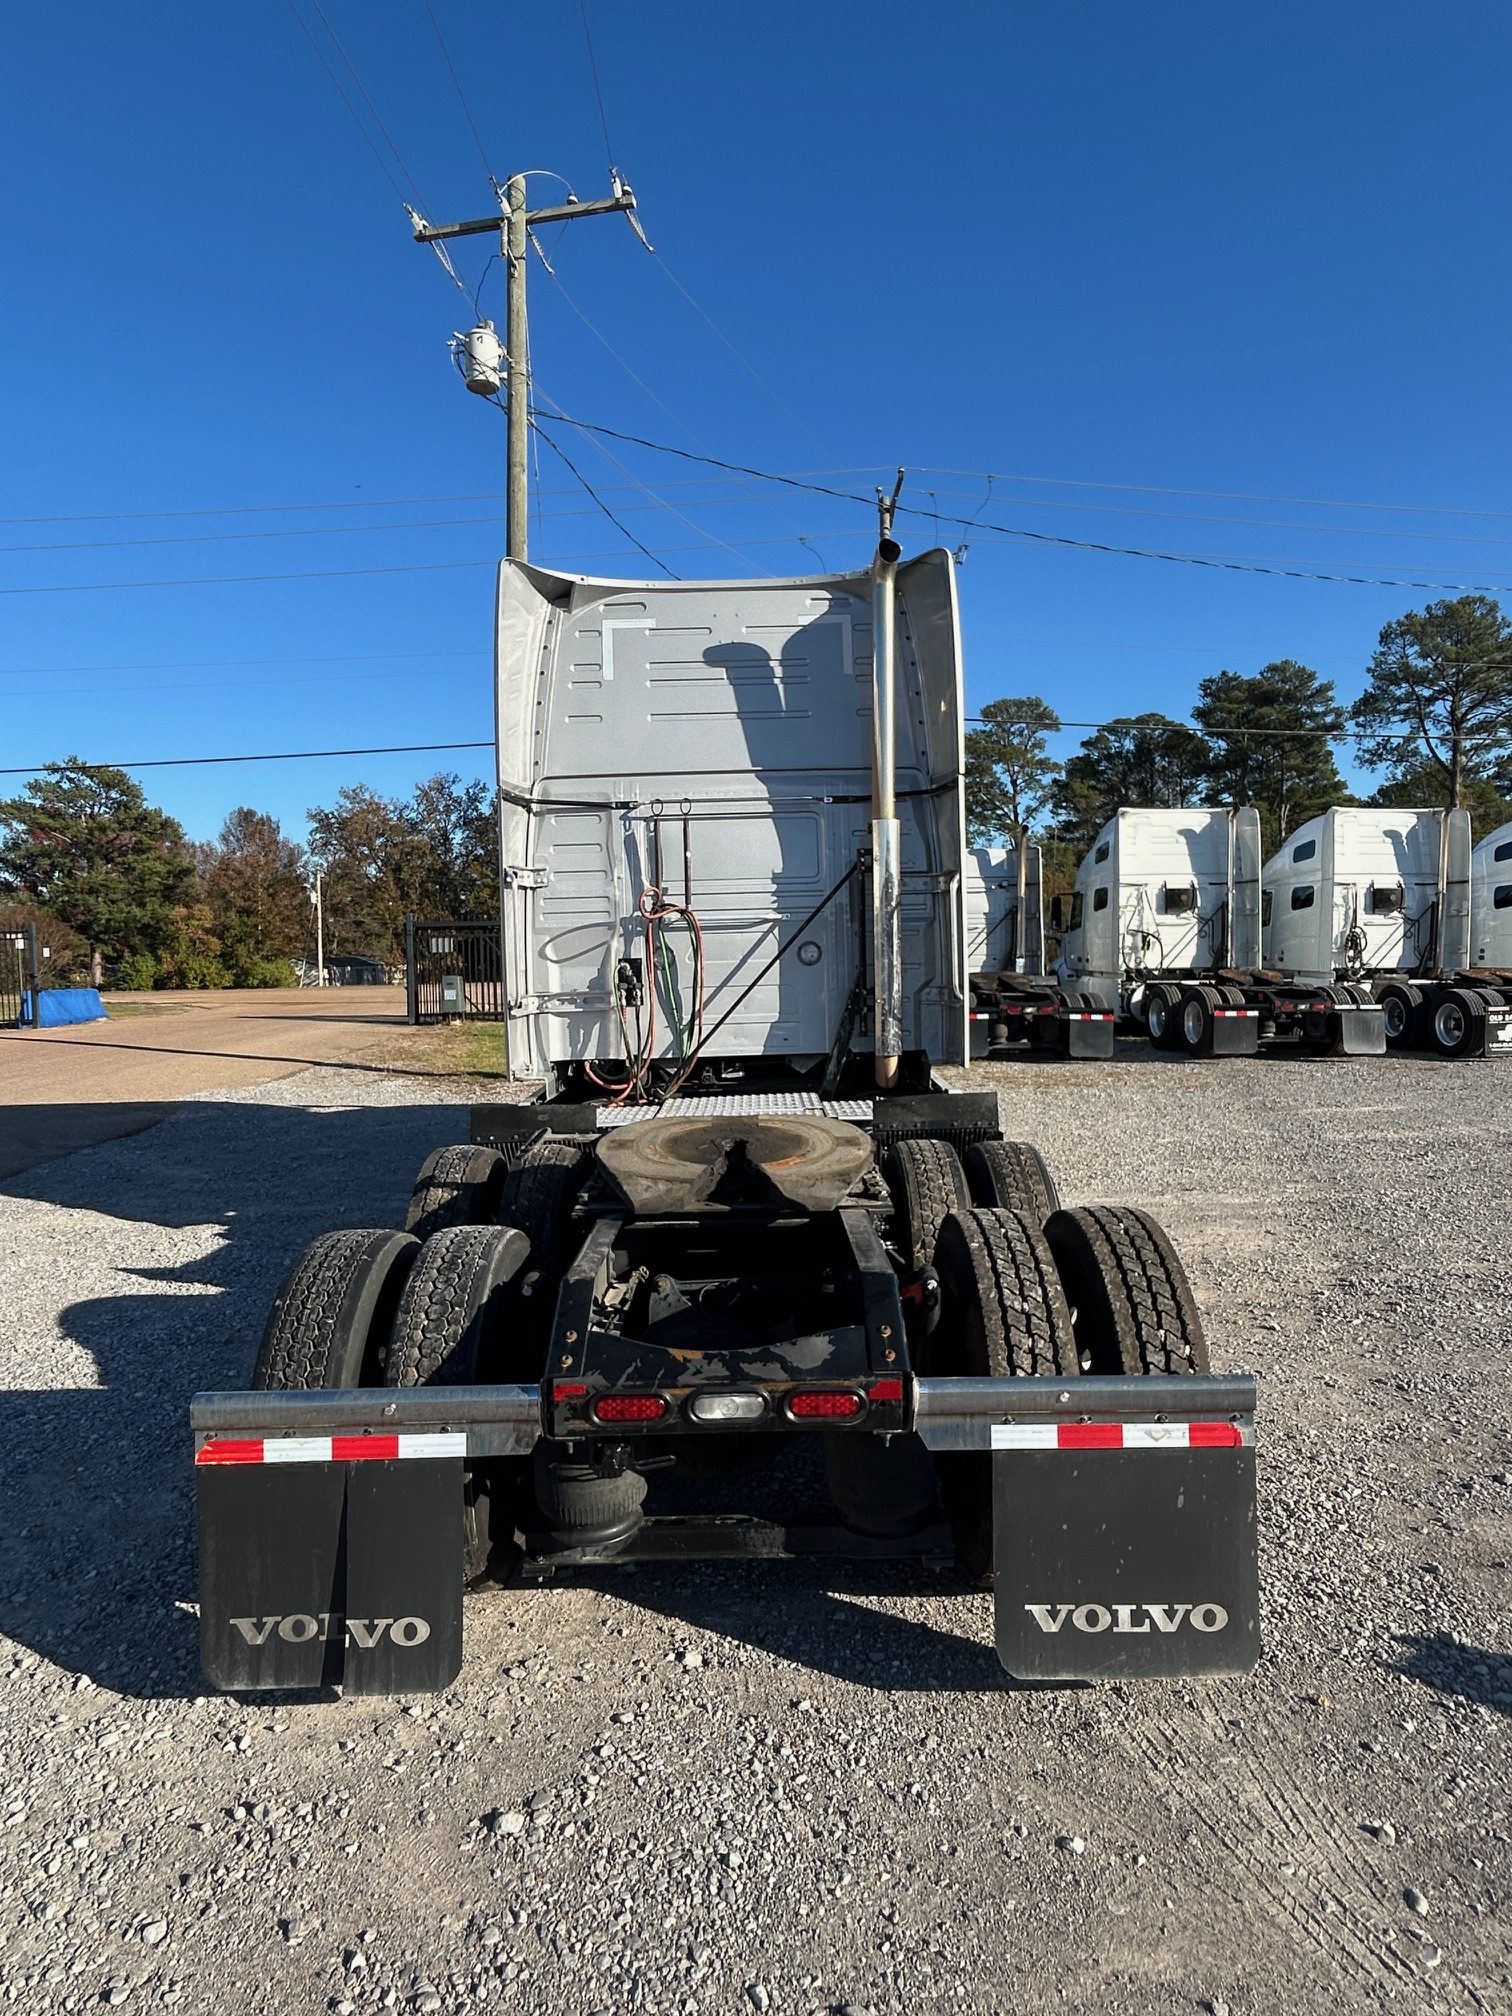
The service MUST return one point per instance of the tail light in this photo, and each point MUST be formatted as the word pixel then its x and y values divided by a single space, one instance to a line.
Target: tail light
pixel 809 1405
pixel 629 1408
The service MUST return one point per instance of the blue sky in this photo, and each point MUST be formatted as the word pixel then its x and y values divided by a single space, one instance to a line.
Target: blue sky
pixel 1127 252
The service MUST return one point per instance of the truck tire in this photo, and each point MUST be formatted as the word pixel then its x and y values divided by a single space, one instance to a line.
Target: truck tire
pixel 1130 1299
pixel 457 1185
pixel 1004 1316
pixel 1196 1026
pixel 1402 1012
pixel 1011 1174
pixel 1160 1015
pixel 540 1189
pixel 927 1183
pixel 330 1320
pixel 446 1331
pixel 451 1322
pixel 1457 1023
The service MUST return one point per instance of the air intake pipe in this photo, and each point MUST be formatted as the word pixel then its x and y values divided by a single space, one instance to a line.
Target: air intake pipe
pixel 887 887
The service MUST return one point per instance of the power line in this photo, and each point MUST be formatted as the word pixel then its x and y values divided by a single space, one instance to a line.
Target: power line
pixel 215 664
pixel 1210 561
pixel 340 88
pixel 597 91
pixel 541 435
pixel 231 580
pixel 271 756
pixel 472 125
pixel 368 101
pixel 739 355
pixel 645 488
pixel 635 377
pixel 1226 496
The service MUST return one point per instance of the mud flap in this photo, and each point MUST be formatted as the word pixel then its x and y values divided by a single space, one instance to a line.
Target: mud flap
pixel 1087 1036
pixel 1361 1032
pixel 1119 1556
pixel 1236 1032
pixel 1498 1027
pixel 330 1574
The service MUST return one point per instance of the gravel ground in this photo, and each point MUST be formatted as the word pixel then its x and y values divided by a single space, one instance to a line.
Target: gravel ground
pixel 746 1789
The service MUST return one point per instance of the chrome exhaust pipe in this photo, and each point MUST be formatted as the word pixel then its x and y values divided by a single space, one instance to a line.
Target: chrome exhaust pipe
pixel 887 845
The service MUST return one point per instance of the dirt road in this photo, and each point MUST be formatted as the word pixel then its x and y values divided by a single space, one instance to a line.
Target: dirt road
pixel 62 1089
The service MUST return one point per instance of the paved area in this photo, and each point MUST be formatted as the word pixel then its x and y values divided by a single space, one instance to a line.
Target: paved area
pixel 62 1089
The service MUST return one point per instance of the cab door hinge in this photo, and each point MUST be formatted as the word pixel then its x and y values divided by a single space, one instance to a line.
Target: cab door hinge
pixel 525 878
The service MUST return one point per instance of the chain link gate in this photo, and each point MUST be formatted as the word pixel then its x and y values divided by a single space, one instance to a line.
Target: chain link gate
pixel 454 970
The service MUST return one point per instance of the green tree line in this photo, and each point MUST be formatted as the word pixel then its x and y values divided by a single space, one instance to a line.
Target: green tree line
pixel 123 896
pixel 1434 722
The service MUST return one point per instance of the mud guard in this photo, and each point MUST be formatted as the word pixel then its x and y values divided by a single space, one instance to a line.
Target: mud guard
pixel 1498 1033
pixel 1087 1035
pixel 1359 1032
pixel 1236 1032
pixel 1125 1550
pixel 316 1572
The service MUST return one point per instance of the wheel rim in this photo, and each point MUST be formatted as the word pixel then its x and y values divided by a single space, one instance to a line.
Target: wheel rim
pixel 1158 1018
pixel 1394 1009
pixel 1449 1024
pixel 1193 1020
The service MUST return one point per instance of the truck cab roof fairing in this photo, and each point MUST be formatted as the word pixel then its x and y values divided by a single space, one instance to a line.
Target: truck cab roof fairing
pixel 744 708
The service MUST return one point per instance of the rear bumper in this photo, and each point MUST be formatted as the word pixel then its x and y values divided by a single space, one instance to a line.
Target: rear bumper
pixel 479 1422
pixel 331 1524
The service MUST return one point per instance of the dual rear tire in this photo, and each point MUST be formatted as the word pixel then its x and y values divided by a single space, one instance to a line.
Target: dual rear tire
pixel 1027 1293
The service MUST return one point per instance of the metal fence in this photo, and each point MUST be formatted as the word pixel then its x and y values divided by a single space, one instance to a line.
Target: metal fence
pixel 454 969
pixel 18 972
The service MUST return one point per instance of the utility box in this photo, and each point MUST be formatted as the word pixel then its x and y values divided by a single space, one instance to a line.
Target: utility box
pixel 453 994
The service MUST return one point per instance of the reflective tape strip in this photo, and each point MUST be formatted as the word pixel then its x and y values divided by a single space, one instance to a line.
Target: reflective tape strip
pixel 331 1448
pixel 1235 1013
pixel 297 1449
pixel 1116 1435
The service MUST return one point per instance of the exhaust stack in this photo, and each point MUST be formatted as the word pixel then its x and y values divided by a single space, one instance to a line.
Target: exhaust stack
pixel 887 846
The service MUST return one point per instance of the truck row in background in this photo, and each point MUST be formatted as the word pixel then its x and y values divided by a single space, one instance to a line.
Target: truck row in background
pixel 1370 929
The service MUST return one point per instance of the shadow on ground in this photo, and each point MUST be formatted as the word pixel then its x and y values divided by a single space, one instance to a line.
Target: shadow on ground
pixel 96 1551
pixel 819 1617
pixel 1468 1672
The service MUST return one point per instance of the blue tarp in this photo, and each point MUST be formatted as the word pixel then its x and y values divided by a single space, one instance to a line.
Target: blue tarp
pixel 61 1005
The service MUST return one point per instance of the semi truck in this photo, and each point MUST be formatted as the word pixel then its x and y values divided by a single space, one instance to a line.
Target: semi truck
pixel 1164 930
pixel 735 1239
pixel 1384 896
pixel 1012 999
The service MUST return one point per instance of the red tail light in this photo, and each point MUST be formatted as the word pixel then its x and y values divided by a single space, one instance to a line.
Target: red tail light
pixel 810 1406
pixel 629 1407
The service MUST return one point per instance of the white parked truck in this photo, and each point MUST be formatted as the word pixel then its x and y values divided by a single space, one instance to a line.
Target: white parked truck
pixel 1382 896
pixel 1491 902
pixel 1012 1000
pixel 1164 928
pixel 739 1222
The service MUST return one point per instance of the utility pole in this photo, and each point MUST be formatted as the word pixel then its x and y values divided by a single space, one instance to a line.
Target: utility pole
pixel 514 226
pixel 320 979
pixel 517 354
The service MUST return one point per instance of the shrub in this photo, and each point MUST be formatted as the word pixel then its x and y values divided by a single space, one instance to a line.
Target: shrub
pixel 136 972
pixel 255 972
